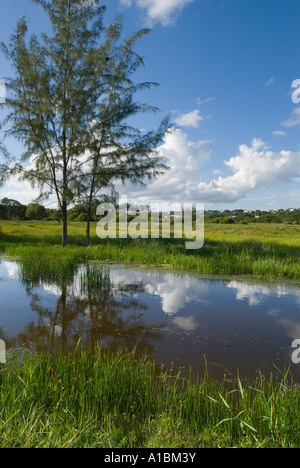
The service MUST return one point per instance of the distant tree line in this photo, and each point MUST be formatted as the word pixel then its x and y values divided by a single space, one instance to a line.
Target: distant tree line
pixel 289 216
pixel 14 210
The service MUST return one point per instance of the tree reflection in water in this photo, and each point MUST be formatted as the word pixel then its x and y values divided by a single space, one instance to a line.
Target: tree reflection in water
pixel 91 308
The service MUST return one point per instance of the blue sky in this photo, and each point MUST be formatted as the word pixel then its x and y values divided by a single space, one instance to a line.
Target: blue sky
pixel 225 69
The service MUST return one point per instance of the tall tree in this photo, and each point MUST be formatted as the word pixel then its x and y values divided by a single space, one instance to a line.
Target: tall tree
pixel 59 83
pixel 118 151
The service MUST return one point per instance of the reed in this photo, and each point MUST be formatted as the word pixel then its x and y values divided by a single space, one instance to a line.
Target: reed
pixel 91 398
pixel 94 277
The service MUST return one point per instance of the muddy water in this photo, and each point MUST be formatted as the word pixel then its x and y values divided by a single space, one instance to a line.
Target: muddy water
pixel 175 318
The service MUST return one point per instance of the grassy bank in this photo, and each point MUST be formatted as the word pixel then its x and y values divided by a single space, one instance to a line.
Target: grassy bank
pixel 270 251
pixel 96 400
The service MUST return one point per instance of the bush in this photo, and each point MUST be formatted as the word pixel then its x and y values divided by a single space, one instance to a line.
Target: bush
pixel 81 218
pixel 35 211
pixel 225 220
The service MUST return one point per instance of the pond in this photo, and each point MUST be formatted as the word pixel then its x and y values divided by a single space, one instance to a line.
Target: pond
pixel 179 319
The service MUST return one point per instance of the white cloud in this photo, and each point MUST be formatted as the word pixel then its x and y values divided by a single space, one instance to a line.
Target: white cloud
pixel 163 11
pixel 23 196
pixel 253 168
pixel 279 133
pixel 204 101
pixel 293 120
pixel 191 119
pixel 22 191
pixel 185 159
pixel 270 81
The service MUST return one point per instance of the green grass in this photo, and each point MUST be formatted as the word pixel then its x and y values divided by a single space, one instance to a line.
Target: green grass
pixel 270 251
pixel 94 399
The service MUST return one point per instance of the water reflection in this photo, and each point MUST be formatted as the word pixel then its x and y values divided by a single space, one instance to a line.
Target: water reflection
pixel 173 291
pixel 106 314
pixel 176 318
pixel 258 294
pixel 255 293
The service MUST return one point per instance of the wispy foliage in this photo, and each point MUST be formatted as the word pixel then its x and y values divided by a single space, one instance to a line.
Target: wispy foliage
pixel 68 100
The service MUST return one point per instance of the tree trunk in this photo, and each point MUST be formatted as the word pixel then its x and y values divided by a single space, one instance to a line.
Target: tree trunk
pixel 65 225
pixel 88 227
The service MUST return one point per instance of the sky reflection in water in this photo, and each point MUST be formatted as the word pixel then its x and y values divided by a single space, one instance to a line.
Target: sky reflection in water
pixel 175 318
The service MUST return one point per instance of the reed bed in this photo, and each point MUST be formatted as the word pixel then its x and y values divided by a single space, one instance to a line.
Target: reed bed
pixel 240 258
pixel 91 398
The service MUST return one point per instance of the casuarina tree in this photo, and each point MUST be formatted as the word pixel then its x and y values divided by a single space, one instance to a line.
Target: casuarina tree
pixel 68 102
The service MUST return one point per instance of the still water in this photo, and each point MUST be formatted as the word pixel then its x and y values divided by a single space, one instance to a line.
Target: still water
pixel 175 318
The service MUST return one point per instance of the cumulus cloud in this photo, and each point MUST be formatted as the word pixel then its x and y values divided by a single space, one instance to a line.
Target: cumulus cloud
pixel 163 11
pixel 185 159
pixel 191 119
pixel 253 168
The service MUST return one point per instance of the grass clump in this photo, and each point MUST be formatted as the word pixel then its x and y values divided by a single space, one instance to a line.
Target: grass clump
pixel 97 399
